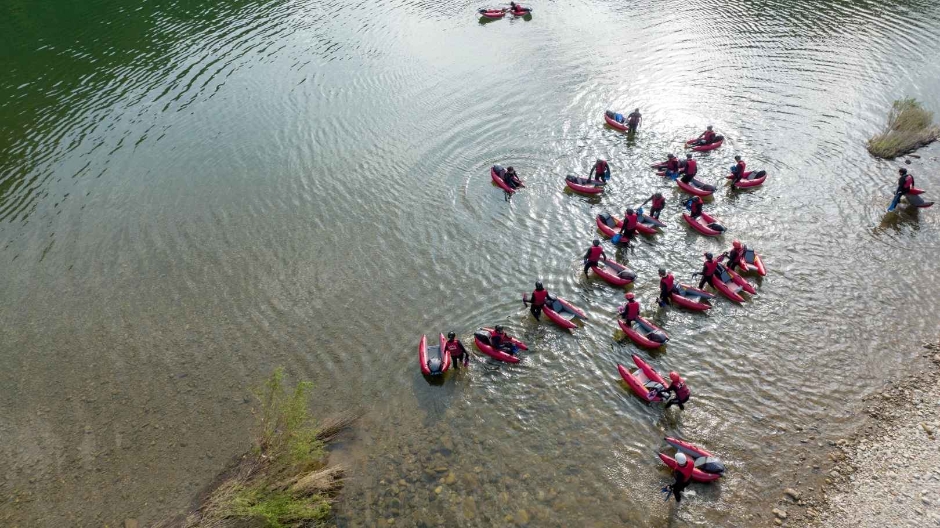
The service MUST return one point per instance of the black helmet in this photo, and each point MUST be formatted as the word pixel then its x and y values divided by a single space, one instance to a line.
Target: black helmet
pixel 597 242
pixel 510 169
pixel 696 199
pixel 670 155
pixel 709 256
pixel 662 271
pixel 538 285
pixel 657 195
pixel 688 156
pixel 902 170
pixel 499 328
pixel 451 335
pixel 709 127
pixel 630 211
pixel 737 157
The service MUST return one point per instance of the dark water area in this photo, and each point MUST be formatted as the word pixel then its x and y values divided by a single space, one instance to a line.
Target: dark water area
pixel 193 193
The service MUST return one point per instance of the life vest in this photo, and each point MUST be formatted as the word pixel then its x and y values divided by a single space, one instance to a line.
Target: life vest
pixel 629 221
pixel 659 203
pixel 687 469
pixel 734 255
pixel 633 118
pixel 667 282
pixel 711 266
pixel 672 164
pixel 453 347
pixel 538 297
pixel 696 208
pixel 682 391
pixel 709 136
pixel 600 167
pixel 906 183
pixel 741 166
pixel 594 254
pixel 633 310
pixel 691 167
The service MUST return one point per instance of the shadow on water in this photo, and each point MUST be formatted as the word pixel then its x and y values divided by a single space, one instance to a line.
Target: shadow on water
pixel 902 217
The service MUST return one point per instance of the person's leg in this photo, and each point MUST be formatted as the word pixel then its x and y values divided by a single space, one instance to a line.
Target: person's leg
pixel 587 266
pixel 536 311
pixel 701 283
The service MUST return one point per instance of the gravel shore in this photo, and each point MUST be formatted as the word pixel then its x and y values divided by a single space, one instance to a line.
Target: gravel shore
pixel 888 473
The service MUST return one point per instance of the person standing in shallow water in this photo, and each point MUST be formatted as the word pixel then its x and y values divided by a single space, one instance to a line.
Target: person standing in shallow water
pixel 457 351
pixel 633 120
pixel 539 297
pixel 593 255
pixel 682 474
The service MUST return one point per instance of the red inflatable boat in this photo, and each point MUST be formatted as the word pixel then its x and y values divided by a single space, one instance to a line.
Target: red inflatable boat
pixel 584 185
pixel 751 261
pixel 497 172
pixel 481 338
pixel 435 360
pixel 730 284
pixel 610 225
pixel 492 14
pixel 561 312
pixel 707 467
pixel 644 380
pixel 704 224
pixel 609 117
pixel 705 148
pixel 691 298
pixel 696 187
pixel 644 333
pixel 614 273
pixel 750 179
pixel 914 198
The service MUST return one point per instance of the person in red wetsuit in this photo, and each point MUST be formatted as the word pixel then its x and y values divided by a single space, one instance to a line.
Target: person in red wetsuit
pixel 600 170
pixel 679 387
pixel 539 297
pixel 708 271
pixel 682 474
pixel 738 169
pixel 630 221
pixel 593 255
pixel 905 182
pixel 734 255
pixel 706 138
pixel 659 203
pixel 630 311
pixel 667 284
pixel 672 167
pixel 457 351
pixel 633 120
pixel 695 205
pixel 691 169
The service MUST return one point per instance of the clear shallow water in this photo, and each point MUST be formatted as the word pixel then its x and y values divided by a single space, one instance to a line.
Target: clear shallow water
pixel 193 193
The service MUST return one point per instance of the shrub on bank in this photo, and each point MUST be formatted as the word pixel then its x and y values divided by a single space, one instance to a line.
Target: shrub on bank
pixel 284 481
pixel 910 126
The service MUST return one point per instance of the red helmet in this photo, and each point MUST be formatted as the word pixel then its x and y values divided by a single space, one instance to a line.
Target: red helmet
pixel 629 296
pixel 674 376
pixel 736 244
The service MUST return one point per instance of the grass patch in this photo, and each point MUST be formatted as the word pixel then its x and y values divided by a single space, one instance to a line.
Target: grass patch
pixel 284 480
pixel 910 126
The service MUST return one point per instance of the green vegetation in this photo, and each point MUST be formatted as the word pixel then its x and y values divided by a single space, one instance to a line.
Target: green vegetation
pixel 910 127
pixel 284 481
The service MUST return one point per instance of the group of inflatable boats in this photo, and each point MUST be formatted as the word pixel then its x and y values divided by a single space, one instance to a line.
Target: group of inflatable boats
pixel 495 13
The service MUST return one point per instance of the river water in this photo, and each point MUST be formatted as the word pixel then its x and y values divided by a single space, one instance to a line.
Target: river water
pixel 193 193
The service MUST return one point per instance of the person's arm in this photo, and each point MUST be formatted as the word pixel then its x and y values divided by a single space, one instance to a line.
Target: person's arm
pixel 603 255
pixel 662 288
pixel 593 168
pixel 645 201
pixel 587 254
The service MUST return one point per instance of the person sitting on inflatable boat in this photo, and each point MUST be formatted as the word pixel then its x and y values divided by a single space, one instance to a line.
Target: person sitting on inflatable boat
pixel 677 386
pixel 457 351
pixel 511 179
pixel 633 120
pixel 659 203
pixel 695 205
pixel 905 182
pixel 600 171
pixel 708 271
pixel 734 255
pixel 667 283
pixel 738 169
pixel 691 169
pixel 706 138
pixel 682 474
pixel 517 8
pixel 593 255
pixel 672 167
pixel 630 311
pixel 539 297
pixel 500 341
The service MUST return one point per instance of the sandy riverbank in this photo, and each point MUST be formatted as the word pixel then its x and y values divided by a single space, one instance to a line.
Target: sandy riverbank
pixel 888 472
